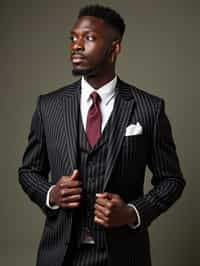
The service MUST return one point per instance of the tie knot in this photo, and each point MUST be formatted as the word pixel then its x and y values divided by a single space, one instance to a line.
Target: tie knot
pixel 95 97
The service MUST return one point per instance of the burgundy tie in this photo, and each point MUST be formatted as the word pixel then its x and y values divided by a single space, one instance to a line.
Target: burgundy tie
pixel 93 125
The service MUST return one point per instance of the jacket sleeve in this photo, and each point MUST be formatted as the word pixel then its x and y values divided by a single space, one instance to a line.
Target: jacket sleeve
pixel 167 180
pixel 33 174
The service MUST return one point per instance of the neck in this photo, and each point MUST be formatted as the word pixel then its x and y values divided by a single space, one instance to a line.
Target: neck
pixel 97 81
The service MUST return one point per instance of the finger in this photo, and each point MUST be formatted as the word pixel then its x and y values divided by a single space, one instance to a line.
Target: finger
pixel 72 198
pixel 104 203
pixel 105 211
pixel 66 178
pixel 71 191
pixel 70 205
pixel 100 221
pixel 74 183
pixel 101 195
pixel 101 216
pixel 107 195
pixel 70 184
pixel 63 179
pixel 75 174
pixel 101 201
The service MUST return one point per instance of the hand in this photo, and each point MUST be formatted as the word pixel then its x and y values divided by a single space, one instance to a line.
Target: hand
pixel 67 192
pixel 112 211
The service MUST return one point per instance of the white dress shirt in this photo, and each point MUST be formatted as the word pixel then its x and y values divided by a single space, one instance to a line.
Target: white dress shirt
pixel 107 94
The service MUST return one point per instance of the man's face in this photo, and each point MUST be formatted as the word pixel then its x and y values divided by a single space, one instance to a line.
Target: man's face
pixel 91 46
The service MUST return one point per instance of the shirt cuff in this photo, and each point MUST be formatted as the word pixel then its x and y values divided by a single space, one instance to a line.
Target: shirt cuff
pixel 54 207
pixel 134 226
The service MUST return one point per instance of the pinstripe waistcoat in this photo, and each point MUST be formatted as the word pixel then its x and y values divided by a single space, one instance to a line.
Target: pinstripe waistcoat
pixel 52 148
pixel 92 168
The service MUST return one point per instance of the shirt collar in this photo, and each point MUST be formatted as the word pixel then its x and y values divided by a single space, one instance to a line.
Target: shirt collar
pixel 106 92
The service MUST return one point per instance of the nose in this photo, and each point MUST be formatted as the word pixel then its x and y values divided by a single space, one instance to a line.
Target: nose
pixel 78 45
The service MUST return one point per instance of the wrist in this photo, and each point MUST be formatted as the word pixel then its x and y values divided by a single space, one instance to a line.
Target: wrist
pixel 132 217
pixel 51 197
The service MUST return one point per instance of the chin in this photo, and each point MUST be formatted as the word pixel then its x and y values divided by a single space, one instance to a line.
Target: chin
pixel 81 72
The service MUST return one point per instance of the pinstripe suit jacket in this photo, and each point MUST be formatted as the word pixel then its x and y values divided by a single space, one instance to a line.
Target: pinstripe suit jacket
pixel 52 147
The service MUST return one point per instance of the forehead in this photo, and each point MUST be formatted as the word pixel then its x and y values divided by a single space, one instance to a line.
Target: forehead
pixel 89 23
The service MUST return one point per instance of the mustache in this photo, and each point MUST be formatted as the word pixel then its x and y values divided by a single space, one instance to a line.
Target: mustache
pixel 77 54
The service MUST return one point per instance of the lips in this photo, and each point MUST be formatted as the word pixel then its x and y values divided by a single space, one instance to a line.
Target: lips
pixel 77 58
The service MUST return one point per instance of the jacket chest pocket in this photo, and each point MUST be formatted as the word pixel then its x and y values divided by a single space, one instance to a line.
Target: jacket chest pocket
pixel 134 148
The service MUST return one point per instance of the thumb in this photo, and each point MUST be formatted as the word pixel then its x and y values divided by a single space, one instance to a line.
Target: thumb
pixel 105 195
pixel 75 174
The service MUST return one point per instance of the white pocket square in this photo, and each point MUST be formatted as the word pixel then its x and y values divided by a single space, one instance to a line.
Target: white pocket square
pixel 133 129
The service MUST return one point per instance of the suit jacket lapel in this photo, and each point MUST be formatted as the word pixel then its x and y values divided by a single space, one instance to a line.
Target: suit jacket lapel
pixel 71 107
pixel 123 108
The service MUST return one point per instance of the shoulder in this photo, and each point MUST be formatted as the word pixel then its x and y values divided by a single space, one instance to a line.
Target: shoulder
pixel 59 93
pixel 51 102
pixel 146 103
pixel 141 95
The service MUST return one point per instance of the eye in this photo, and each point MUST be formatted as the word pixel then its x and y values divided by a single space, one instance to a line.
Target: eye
pixel 90 38
pixel 73 38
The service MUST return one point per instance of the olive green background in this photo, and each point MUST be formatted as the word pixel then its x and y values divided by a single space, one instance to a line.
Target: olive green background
pixel 160 54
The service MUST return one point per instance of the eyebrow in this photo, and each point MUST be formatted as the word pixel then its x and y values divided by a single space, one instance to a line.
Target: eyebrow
pixel 86 30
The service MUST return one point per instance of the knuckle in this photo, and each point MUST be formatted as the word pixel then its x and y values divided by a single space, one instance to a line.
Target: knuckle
pixel 62 192
pixel 108 212
pixel 109 204
pixel 62 201
pixel 60 185
pixel 97 201
pixel 63 178
pixel 106 219
pixel 106 194
pixel 96 213
pixel 75 183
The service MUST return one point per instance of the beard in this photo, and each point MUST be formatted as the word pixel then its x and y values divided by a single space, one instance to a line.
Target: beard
pixel 90 71
pixel 93 69
pixel 81 72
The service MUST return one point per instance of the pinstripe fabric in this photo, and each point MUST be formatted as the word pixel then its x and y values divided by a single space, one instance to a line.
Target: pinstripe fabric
pixel 52 146
pixel 86 255
pixel 92 170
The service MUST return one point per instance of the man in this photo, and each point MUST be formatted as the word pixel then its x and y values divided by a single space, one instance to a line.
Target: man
pixel 96 137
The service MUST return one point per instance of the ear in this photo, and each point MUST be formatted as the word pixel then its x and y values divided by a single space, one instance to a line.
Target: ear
pixel 116 49
pixel 117 46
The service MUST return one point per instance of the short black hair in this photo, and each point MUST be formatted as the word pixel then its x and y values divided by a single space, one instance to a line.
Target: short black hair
pixel 110 16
